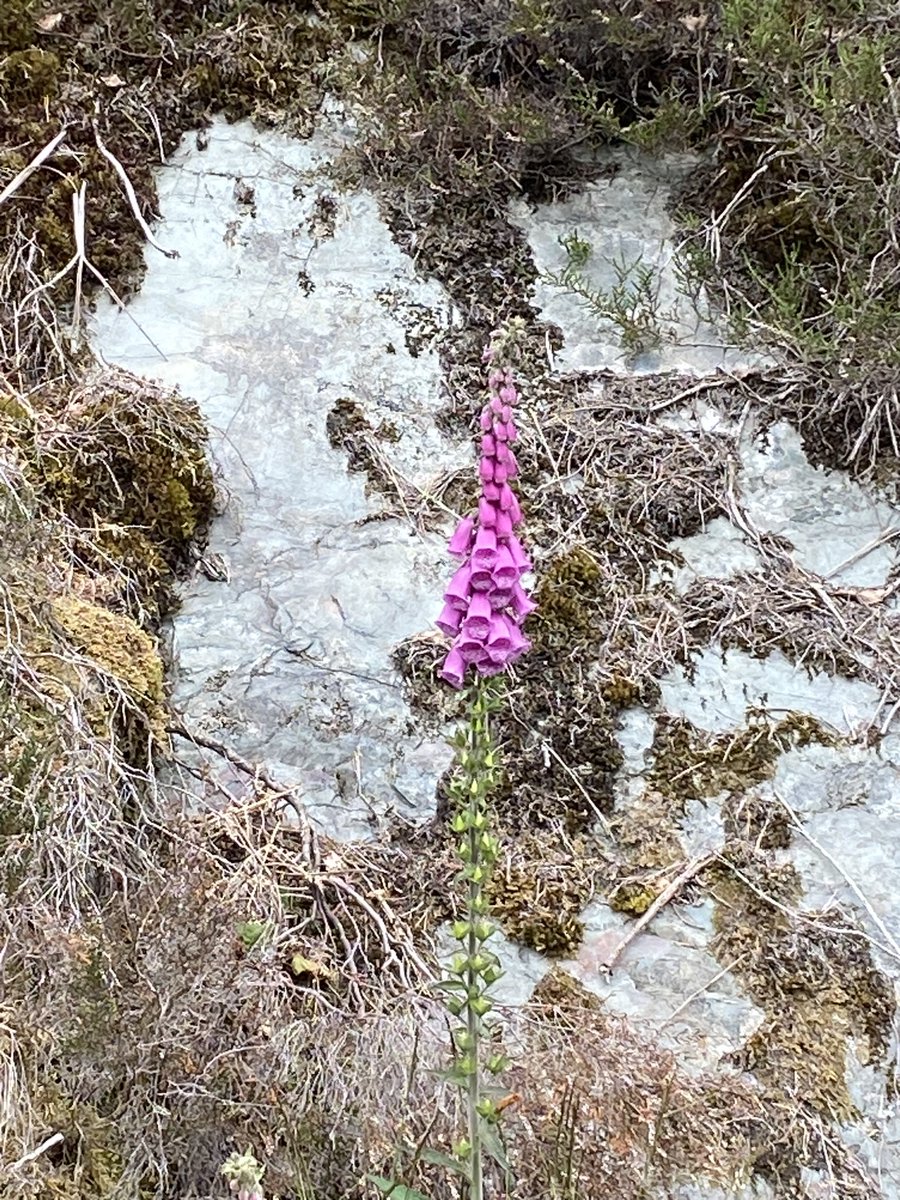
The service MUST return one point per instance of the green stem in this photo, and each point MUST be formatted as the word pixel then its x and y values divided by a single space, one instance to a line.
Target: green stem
pixel 479 969
pixel 479 743
pixel 473 1024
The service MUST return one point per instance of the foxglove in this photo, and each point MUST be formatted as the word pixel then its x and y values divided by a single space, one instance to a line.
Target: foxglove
pixel 485 602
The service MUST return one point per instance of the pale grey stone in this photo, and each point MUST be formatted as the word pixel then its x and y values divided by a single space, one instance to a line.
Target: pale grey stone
pixel 288 660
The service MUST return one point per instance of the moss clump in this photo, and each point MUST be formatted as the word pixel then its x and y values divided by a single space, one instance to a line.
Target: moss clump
pixel 121 648
pixel 32 74
pixel 537 898
pixel 648 843
pixel 350 430
pixel 817 985
pixel 93 1162
pixel 28 751
pixel 559 995
pixel 568 598
pixel 126 463
pixel 690 764
pixel 17 25
pixel 632 897
pixel 619 691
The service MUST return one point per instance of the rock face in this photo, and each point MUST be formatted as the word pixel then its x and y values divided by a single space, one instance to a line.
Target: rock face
pixel 307 339
pixel 295 322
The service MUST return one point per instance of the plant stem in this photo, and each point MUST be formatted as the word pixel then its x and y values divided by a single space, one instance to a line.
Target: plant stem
pixel 477 735
pixel 474 1096
pixel 478 967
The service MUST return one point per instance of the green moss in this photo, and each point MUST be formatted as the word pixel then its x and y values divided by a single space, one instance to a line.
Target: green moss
pixel 350 430
pixel 816 985
pixel 568 595
pixel 537 899
pixel 121 648
pixel 619 691
pixel 31 74
pixel 93 1157
pixel 12 413
pixel 632 897
pixel 129 465
pixel 543 927
pixel 689 764
pixel 17 25
pixel 28 751
pixel 559 995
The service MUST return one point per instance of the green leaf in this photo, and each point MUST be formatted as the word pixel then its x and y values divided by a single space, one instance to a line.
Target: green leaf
pixel 449 985
pixel 438 1159
pixel 494 1146
pixel 397 1191
pixel 250 932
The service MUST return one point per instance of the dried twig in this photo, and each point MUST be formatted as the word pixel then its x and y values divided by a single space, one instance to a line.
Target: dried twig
pixel 39 159
pixel 665 896
pixel 47 1144
pixel 132 197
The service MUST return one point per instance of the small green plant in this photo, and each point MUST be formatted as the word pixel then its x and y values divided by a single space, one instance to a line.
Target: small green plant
pixel 244 1175
pixel 251 933
pixel 632 303
pixel 474 968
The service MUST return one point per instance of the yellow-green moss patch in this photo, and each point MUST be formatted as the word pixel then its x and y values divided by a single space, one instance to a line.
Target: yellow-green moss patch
pixel 690 764
pixel 120 647
pixel 538 893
